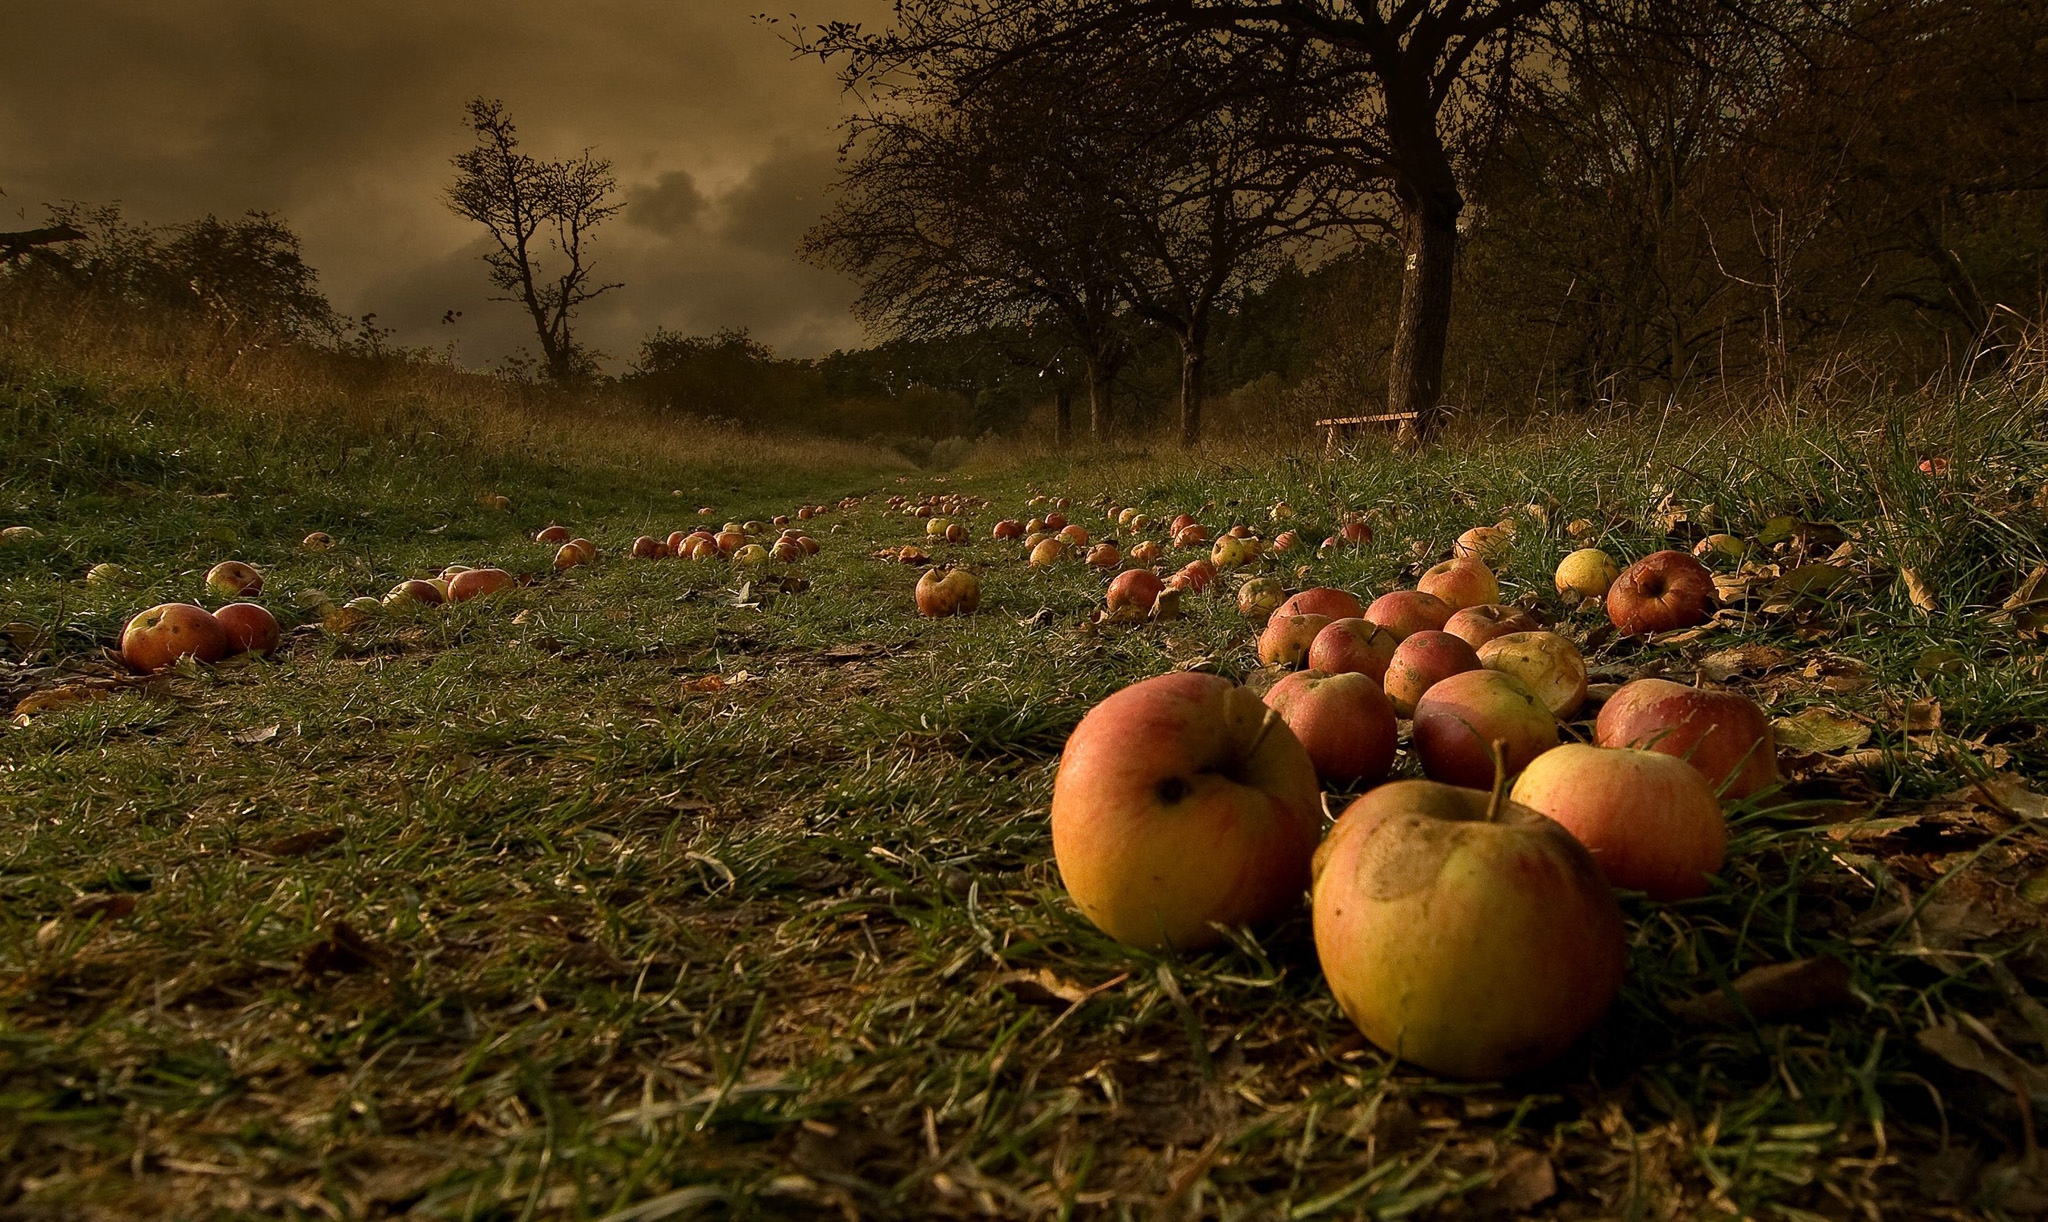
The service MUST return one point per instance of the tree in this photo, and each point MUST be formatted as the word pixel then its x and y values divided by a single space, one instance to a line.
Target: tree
pixel 531 207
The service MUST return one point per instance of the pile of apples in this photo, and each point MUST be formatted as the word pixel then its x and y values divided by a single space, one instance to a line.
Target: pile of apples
pixel 161 635
pixel 1466 922
pixel 735 541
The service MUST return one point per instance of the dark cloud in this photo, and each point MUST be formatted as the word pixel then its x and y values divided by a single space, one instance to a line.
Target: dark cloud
pixel 343 118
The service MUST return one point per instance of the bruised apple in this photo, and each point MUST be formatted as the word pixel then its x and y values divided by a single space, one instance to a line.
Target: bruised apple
pixel 1407 612
pixel 1477 625
pixel 1723 734
pixel 1183 804
pixel 1551 665
pixel 1650 820
pixel 1458 720
pixel 163 634
pixel 1132 593
pixel 1461 584
pixel 475 583
pixel 1323 600
pixel 1420 663
pixel 1661 592
pixel 1258 598
pixel 1586 573
pixel 249 628
pixel 233 579
pixel 1343 721
pixel 1286 639
pixel 1353 646
pixel 1462 933
pixel 948 592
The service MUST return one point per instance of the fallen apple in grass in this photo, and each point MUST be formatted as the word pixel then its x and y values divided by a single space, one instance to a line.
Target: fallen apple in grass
pixel 1420 662
pixel 318 541
pixel 1047 552
pixel 1191 536
pixel 1487 544
pixel 1586 573
pixel 1258 598
pixel 1723 734
pixel 250 628
pixel 1146 551
pixel 1194 576
pixel 556 535
pixel 1477 625
pixel 1461 584
pixel 1551 665
pixel 233 579
pixel 1463 933
pixel 1323 600
pixel 1661 592
pixel 476 583
pixel 568 556
pixel 1007 529
pixel 1183 805
pixel 1344 722
pixel 587 549
pixel 163 634
pixel 1286 639
pixel 1104 556
pixel 106 574
pixel 1132 593
pixel 1353 645
pixel 1650 820
pixel 646 547
pixel 1407 612
pixel 1459 719
pixel 948 592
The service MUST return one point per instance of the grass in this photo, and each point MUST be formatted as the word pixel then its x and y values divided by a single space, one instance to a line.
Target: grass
pixel 505 911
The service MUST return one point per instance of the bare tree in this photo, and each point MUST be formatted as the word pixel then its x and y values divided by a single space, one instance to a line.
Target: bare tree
pixel 535 209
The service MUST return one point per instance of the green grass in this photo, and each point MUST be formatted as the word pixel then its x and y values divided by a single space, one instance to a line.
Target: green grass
pixel 490 912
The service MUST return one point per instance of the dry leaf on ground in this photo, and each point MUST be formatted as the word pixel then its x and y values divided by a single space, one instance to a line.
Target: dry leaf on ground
pixel 1820 731
pixel 1773 993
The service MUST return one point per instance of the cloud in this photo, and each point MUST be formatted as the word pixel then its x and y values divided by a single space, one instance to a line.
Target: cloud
pixel 343 119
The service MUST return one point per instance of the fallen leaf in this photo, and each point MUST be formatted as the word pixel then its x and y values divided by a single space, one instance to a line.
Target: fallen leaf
pixel 1839 674
pixel 112 907
pixel 1969 1045
pixel 1041 987
pixel 1525 1180
pixel 60 697
pixel 1923 716
pixel 2003 792
pixel 1725 664
pixel 263 734
pixel 298 844
pixel 342 950
pixel 2033 590
pixel 1773 993
pixel 1820 731
pixel 1919 592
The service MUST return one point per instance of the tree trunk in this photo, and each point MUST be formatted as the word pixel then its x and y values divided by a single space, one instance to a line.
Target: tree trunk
pixel 1415 371
pixel 1063 416
pixel 1101 379
pixel 1194 368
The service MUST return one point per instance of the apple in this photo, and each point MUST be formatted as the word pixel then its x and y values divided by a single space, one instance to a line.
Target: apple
pixel 1281 511
pixel 1551 665
pixel 1104 556
pixel 1586 573
pixel 751 554
pixel 586 547
pixel 1191 536
pixel 646 547
pixel 1055 521
pixel 1047 552
pixel 1147 551
pixel 956 533
pixel 1477 625
pixel 1650 820
pixel 1723 734
pixel 1036 537
pixel 1407 612
pixel 1036 526
pixel 943 592
pixel 1343 721
pixel 318 541
pixel 163 634
pixel 936 528
pixel 786 551
pixel 1132 593
pixel 1581 528
pixel 1258 598
pixel 728 541
pixel 1142 522
pixel 568 556
pixel 1286 639
pixel 1285 541
pixel 1461 584
pixel 475 583
pixel 1486 544
pixel 1661 592
pixel 1458 720
pixel 1353 645
pixel 1233 550
pixel 1183 804
pixel 1181 521
pixel 414 590
pixel 1075 534
pixel 106 574
pixel 249 628
pixel 1124 516
pixel 780 519
pixel 1194 576
pixel 500 502
pixel 1007 529
pixel 1462 933
pixel 1421 661
pixel 753 526
pixel 1325 601
pixel 556 535
pixel 233 579
pixel 1355 533
pixel 1239 530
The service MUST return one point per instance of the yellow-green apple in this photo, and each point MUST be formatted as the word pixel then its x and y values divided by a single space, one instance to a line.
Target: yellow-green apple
pixel 163 634
pixel 948 592
pixel 1132 593
pixel 1142 522
pixel 249 628
pixel 1286 639
pixel 1281 511
pixel 1343 721
pixel 1477 625
pixel 1406 612
pixel 751 554
pixel 1194 576
pixel 1231 551
pixel 1650 820
pixel 1007 529
pixel 233 579
pixel 586 547
pixel 1458 721
pixel 1581 528
pixel 1037 526
pixel 1486 544
pixel 936 528
pixel 106 573
pixel 1551 665
pixel 1258 598
pixel 753 526
pixel 414 590
pixel 1420 662
pixel 1723 734
pixel 1662 591
pixel 1586 573
pixel 1124 516
pixel 1323 600
pixel 1462 933
pixel 475 583
pixel 1147 551
pixel 318 541
pixel 1183 805
pixel 1461 584
pixel 556 535
pixel 1048 552
pixel 1036 537
pixel 1353 645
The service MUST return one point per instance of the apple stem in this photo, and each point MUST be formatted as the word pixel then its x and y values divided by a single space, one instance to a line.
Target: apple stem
pixel 1500 779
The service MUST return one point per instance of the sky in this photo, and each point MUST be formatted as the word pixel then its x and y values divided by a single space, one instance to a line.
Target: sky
pixel 342 118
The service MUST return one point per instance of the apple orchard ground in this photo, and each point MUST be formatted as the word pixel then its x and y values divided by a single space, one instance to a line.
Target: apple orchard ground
pixel 652 889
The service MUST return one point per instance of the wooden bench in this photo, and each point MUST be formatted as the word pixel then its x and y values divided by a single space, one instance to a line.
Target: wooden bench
pixel 1338 425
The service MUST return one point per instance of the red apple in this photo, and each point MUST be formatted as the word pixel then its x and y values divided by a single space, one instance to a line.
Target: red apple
pixel 556 535
pixel 1356 533
pixel 1458 721
pixel 1286 639
pixel 1723 734
pixel 1323 600
pixel 948 592
pixel 1146 551
pixel 1104 556
pixel 1055 521
pixel 1183 804
pixel 1344 722
pixel 1191 536
pixel 1075 534
pixel 1132 593
pixel 1406 612
pixel 1662 591
pixel 1461 584
pixel 1353 646
pixel 1477 625
pixel 416 591
pixel 1009 528
pixel 1547 662
pixel 1476 940
pixel 1285 541
pixel 233 579
pixel 163 634
pixel 1194 577
pixel 1650 820
pixel 646 547
pixel 1422 661
pixel 249 628
pixel 475 583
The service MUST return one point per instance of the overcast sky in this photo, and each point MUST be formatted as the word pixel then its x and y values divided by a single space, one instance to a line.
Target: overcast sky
pixel 342 117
